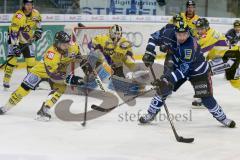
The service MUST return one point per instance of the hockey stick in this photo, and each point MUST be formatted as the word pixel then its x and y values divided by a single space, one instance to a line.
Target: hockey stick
pixel 86 104
pixel 178 138
pixel 95 74
pixel 101 109
pixel 14 56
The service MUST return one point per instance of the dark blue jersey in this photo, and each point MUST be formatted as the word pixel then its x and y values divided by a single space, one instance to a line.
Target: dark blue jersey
pixel 187 58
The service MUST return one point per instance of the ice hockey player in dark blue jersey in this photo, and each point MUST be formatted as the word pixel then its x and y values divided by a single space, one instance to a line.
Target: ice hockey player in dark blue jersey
pixel 163 46
pixel 188 64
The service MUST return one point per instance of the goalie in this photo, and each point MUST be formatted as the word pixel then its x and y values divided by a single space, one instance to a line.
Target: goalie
pixel 115 51
pixel 54 68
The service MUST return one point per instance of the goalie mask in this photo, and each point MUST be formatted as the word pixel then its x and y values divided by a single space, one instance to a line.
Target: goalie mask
pixel 115 33
pixel 62 41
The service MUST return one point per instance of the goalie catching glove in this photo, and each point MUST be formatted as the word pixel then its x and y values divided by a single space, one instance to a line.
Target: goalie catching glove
pixel 38 34
pixel 86 66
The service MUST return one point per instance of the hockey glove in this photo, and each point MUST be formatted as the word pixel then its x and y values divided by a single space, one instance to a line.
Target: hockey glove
pixel 108 51
pixel 16 50
pixel 148 59
pixel 86 66
pixel 163 87
pixel 38 34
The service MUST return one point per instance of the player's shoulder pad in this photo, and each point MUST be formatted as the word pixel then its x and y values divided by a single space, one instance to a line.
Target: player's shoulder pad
pixel 156 34
pixel 19 15
pixel 74 48
pixel 36 15
pixel 215 34
pixel 196 17
pixel 98 37
pixel 51 53
pixel 35 11
pixel 183 15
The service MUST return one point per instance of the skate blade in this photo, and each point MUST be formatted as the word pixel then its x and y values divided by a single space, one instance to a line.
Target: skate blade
pixel 42 119
pixel 198 107
pixel 5 89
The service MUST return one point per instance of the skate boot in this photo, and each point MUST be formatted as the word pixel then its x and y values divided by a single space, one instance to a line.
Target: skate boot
pixel 6 86
pixel 3 110
pixel 43 114
pixel 153 110
pixel 219 114
pixel 147 118
pixel 197 104
pixel 228 123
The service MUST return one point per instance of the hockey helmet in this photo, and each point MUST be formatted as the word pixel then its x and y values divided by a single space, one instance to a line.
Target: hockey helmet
pixel 27 1
pixel 181 26
pixel 236 23
pixel 62 38
pixel 202 23
pixel 190 3
pixel 177 17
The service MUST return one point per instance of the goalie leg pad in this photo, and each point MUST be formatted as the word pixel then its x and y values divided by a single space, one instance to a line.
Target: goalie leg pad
pixel 232 73
pixel 104 72
pixel 126 86
pixel 218 66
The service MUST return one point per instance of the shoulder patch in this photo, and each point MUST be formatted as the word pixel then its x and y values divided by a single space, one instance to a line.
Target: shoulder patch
pixel 50 55
pixel 19 15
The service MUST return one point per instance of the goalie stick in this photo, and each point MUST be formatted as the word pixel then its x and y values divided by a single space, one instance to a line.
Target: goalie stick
pixel 178 138
pixel 95 74
pixel 101 109
pixel 86 105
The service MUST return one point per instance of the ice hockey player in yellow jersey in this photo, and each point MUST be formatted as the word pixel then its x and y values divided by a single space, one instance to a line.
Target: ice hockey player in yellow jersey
pixel 214 45
pixel 190 17
pixel 25 27
pixel 212 42
pixel 53 67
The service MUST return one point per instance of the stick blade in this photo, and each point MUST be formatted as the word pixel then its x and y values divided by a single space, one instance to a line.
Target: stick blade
pixel 84 124
pixel 98 108
pixel 185 140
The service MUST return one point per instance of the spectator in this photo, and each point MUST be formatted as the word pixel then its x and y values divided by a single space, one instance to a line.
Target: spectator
pixel 74 8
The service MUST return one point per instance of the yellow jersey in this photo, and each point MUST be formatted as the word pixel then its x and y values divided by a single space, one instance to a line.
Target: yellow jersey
pixel 22 27
pixel 54 64
pixel 213 44
pixel 115 54
pixel 190 22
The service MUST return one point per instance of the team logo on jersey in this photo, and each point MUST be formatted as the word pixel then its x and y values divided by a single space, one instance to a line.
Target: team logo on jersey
pixel 19 16
pixel 188 54
pixel 50 55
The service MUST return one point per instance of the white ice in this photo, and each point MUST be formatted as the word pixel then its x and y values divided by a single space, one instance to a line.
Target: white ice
pixel 110 138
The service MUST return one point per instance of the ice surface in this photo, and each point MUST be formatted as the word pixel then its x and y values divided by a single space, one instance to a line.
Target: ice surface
pixel 109 137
